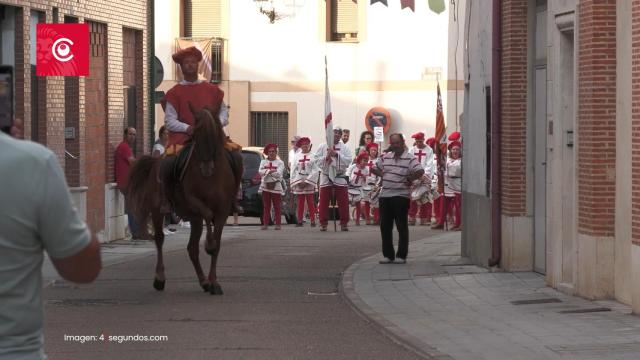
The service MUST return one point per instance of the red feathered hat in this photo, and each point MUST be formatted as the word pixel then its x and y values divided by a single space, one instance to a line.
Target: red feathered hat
pixel 454 144
pixel 269 147
pixel 418 136
pixel 302 141
pixel 455 136
pixel 185 53
pixel 372 145
pixel 431 141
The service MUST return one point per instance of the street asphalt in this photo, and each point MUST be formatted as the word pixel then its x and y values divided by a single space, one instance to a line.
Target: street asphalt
pixel 299 293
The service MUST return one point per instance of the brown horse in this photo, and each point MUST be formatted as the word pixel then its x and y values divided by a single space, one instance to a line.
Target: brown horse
pixel 206 191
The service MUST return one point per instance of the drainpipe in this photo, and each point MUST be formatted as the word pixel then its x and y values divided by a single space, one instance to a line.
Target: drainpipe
pixel 152 70
pixel 496 212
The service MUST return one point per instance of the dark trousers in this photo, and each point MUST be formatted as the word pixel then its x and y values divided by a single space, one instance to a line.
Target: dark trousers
pixel 394 209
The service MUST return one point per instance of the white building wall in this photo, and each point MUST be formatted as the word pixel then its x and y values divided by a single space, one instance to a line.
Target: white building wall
pixel 395 51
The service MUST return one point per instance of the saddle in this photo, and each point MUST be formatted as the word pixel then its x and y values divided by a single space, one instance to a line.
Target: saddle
pixel 181 159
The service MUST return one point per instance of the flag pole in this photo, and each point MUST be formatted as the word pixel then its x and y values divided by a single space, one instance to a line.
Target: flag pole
pixel 328 125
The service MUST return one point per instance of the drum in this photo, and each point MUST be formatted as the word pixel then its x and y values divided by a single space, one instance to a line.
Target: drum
pixel 355 195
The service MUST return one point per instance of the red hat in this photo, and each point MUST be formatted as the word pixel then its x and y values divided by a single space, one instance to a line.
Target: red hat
pixel 455 136
pixel 302 141
pixel 418 136
pixel 269 147
pixel 431 141
pixel 184 53
pixel 362 155
pixel 372 145
pixel 454 144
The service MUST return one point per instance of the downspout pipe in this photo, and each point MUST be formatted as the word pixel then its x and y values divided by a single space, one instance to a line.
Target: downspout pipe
pixel 496 211
pixel 151 55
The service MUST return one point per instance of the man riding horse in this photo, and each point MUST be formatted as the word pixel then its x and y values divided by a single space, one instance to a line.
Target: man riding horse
pixel 198 94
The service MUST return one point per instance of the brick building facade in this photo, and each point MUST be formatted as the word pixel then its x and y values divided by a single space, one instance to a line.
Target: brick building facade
pixel 92 110
pixel 569 169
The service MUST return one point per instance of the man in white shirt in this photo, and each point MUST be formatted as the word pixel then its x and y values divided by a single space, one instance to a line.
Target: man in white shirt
pixel 397 168
pixel 37 215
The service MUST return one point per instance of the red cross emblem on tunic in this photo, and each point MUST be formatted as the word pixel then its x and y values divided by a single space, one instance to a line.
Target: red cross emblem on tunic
pixel 370 165
pixel 359 175
pixel 420 154
pixel 303 161
pixel 271 167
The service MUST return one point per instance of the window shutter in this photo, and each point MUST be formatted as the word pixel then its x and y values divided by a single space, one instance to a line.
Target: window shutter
pixel 202 18
pixel 345 18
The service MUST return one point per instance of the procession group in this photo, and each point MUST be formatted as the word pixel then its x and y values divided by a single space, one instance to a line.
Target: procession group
pixel 350 181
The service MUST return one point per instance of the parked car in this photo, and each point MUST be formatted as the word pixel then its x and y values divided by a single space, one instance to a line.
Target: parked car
pixel 251 201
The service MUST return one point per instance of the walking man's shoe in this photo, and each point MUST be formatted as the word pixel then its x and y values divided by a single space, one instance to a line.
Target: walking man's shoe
pixel 386 261
pixel 424 222
pixel 264 227
pixel 299 224
pixel 437 227
pixel 278 227
pixel 412 221
pixel 455 228
pixel 344 228
pixel 400 261
pixel 323 227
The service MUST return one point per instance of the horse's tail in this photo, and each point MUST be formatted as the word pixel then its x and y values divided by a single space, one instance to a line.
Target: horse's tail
pixel 140 186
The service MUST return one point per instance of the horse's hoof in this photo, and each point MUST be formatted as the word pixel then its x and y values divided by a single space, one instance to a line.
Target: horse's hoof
pixel 158 285
pixel 216 290
pixel 208 251
pixel 205 287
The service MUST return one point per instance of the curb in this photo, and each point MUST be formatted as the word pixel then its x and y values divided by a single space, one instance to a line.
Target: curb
pixel 388 329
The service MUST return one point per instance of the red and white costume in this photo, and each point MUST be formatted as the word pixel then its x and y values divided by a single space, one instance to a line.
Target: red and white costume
pixel 304 180
pixel 271 172
pixel 333 178
pixel 421 198
pixel 357 180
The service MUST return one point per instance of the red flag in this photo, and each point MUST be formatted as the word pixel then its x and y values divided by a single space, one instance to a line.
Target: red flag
pixel 328 123
pixel 441 142
pixel 408 3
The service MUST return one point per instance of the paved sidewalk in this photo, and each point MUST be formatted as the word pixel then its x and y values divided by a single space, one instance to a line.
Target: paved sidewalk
pixel 443 308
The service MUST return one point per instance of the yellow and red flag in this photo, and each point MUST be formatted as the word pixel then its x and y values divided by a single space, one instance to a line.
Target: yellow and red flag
pixel 441 142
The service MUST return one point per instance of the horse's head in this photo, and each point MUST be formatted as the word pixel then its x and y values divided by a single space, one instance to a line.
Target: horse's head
pixel 207 132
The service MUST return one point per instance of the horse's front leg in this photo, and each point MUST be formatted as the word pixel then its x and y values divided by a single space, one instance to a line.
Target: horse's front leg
pixel 159 280
pixel 194 251
pixel 207 215
pixel 220 220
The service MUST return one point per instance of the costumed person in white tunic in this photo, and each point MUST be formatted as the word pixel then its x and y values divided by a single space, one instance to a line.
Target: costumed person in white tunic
pixel 438 198
pixel 271 171
pixel 372 188
pixel 453 186
pixel 420 192
pixel 357 174
pixel 304 179
pixel 334 161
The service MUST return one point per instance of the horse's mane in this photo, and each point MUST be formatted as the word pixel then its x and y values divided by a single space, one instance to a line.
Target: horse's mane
pixel 208 135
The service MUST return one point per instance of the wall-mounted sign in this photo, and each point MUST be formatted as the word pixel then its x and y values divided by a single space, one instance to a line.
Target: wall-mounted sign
pixel 378 117
pixel 378 134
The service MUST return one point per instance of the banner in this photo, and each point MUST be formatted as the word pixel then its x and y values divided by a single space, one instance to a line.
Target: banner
pixel 206 70
pixel 411 4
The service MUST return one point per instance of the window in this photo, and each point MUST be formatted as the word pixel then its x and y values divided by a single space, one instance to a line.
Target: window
pixel 202 18
pixel 343 15
pixel 271 127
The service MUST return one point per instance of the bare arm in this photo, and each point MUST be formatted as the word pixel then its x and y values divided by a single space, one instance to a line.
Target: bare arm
pixel 83 266
pixel 377 172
